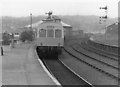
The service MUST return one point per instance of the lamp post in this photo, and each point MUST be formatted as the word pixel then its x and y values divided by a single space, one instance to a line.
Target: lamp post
pixel 31 20
pixel 31 27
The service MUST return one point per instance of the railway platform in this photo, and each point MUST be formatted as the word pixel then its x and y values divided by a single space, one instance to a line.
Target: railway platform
pixel 20 66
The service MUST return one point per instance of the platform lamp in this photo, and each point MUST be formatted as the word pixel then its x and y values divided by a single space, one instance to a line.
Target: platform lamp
pixel 31 24
pixel 31 21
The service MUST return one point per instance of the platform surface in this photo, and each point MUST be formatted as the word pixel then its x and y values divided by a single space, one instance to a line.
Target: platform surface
pixel 20 66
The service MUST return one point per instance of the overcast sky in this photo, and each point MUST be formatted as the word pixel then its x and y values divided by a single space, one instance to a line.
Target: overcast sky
pixel 20 8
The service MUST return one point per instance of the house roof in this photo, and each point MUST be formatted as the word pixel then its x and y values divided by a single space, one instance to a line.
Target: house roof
pixel 65 25
pixel 34 24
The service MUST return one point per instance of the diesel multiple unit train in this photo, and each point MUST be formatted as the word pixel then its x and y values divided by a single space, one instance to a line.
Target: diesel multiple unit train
pixel 50 36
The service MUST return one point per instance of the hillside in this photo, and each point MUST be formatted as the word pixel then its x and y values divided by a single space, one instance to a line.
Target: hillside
pixel 86 23
pixel 12 23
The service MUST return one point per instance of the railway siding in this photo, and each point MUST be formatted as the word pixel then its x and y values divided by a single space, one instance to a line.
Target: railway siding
pixel 96 65
pixel 60 71
pixel 87 72
pixel 98 51
pixel 96 57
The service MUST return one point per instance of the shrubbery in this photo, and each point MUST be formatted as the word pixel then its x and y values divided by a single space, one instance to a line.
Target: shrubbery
pixel 27 36
pixel 6 39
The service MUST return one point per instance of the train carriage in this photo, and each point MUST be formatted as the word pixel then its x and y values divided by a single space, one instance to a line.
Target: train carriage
pixel 50 34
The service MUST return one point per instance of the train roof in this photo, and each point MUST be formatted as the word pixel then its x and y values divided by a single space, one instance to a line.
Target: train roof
pixel 34 25
pixel 54 17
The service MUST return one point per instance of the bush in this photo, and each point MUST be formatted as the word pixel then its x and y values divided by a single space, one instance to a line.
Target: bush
pixel 6 39
pixel 27 36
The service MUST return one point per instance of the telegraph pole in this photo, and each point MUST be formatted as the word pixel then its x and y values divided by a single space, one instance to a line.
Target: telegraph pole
pixel 104 18
pixel 31 20
pixel 31 27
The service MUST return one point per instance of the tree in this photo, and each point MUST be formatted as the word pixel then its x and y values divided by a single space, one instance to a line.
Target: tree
pixel 6 38
pixel 27 36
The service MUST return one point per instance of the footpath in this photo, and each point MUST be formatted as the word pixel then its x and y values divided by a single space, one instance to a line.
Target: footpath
pixel 20 66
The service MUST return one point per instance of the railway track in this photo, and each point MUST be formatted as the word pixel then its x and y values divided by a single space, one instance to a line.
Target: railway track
pixel 98 51
pixel 102 60
pixel 64 74
pixel 87 61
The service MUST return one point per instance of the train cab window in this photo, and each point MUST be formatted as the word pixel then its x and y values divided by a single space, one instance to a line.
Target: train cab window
pixel 50 33
pixel 42 33
pixel 58 33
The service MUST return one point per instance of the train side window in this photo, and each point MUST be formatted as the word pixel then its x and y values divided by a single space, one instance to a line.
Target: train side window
pixel 58 33
pixel 42 33
pixel 50 33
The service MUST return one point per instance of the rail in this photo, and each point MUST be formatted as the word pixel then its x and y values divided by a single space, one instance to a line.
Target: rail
pixel 59 70
pixel 91 65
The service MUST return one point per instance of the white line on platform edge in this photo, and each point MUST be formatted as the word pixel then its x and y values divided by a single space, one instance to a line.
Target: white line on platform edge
pixel 48 73
pixel 45 69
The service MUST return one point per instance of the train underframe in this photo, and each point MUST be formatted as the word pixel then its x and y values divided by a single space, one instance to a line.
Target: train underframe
pixel 50 51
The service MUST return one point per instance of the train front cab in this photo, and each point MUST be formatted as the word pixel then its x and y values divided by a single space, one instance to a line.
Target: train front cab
pixel 51 46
